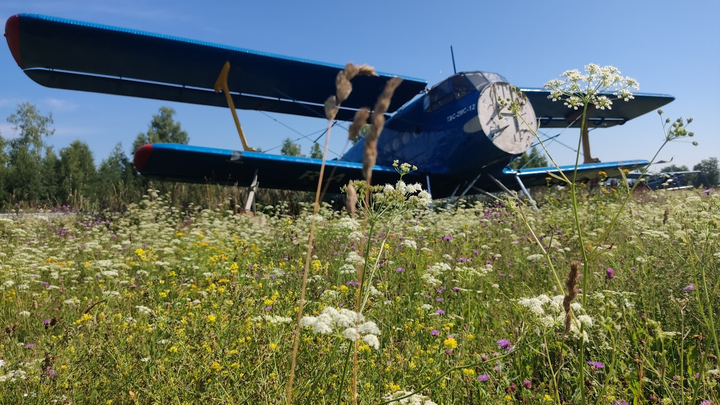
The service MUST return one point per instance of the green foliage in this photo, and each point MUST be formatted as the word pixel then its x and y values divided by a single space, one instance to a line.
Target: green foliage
pixel 674 168
pixel 316 152
pixel 32 129
pixel 531 158
pixel 163 129
pixel 78 175
pixel 709 173
pixel 289 148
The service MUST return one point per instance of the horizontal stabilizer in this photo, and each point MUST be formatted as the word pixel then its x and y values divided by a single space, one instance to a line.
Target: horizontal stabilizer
pixel 555 114
pixel 540 176
pixel 69 54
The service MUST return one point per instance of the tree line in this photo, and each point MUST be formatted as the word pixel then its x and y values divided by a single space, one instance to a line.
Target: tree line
pixel 33 173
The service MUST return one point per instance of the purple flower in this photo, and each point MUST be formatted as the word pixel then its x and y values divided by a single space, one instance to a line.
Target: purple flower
pixel 483 377
pixel 352 283
pixel 447 238
pixel 434 332
pixel 689 287
pixel 618 402
pixel 707 192
pixel 50 372
pixel 462 259
pixel 504 344
pixel 439 299
pixel 609 273
pixel 400 270
pixel 595 364
pixel 706 402
pixel 30 345
pixel 440 312
pixel 527 384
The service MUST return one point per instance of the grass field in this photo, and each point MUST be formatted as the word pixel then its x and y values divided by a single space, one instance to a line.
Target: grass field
pixel 166 305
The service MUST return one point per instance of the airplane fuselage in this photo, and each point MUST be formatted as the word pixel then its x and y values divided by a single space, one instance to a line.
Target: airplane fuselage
pixel 443 131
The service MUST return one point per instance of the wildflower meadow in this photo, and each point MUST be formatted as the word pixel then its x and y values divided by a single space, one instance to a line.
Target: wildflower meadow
pixel 165 305
pixel 586 295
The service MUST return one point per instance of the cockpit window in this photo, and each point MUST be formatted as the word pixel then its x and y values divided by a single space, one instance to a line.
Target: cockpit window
pixel 453 88
pixel 494 77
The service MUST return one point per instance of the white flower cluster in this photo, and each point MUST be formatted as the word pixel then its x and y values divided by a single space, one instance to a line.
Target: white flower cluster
pixel 576 89
pixel 551 313
pixel 272 319
pixel 412 193
pixel 409 243
pixel 414 399
pixel 332 320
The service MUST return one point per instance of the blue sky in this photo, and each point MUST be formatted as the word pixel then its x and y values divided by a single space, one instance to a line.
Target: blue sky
pixel 668 47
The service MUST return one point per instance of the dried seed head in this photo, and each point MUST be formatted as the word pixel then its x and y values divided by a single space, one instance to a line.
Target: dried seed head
pixel 351 200
pixel 571 284
pixel 383 102
pixel 331 107
pixel 377 120
pixel 666 215
pixel 359 122
pixel 370 155
pixel 343 86
pixel 352 70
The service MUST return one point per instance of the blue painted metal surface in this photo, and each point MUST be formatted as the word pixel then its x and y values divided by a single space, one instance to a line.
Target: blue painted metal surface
pixel 439 130
pixel 61 53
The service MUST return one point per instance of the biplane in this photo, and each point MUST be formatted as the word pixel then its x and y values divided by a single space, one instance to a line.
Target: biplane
pixel 456 132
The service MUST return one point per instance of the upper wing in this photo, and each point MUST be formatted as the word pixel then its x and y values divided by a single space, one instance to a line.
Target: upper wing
pixel 554 114
pixel 76 55
pixel 209 165
pixel 539 176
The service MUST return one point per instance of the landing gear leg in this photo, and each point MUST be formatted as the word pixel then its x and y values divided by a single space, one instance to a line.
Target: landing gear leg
pixel 250 204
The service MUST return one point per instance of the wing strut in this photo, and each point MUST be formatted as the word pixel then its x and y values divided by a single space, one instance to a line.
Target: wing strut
pixel 250 204
pixel 585 133
pixel 222 85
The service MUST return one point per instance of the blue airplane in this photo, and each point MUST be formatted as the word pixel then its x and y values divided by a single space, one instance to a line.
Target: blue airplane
pixel 456 132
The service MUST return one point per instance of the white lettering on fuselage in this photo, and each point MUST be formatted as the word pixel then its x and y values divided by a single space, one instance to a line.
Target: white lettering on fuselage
pixel 461 112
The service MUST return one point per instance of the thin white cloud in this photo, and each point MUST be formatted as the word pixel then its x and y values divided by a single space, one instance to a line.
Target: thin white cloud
pixel 58 104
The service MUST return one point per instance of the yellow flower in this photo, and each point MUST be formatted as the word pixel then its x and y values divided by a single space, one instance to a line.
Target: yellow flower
pixel 547 398
pixel 211 318
pixel 216 367
pixel 450 343
pixel 272 346
pixel 84 318
pixel 468 372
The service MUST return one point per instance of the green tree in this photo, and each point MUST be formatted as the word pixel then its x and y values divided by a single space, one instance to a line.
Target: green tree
pixel 77 173
pixel 531 158
pixel 709 173
pixel 24 174
pixel 290 149
pixel 674 168
pixel 50 178
pixel 163 129
pixel 4 159
pixel 316 152
pixel 118 181
pixel 32 128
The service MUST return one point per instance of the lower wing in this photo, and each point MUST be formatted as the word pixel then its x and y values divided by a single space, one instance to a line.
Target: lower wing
pixel 194 164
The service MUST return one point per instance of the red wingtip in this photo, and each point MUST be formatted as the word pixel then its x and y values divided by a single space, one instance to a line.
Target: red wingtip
pixel 12 34
pixel 141 156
